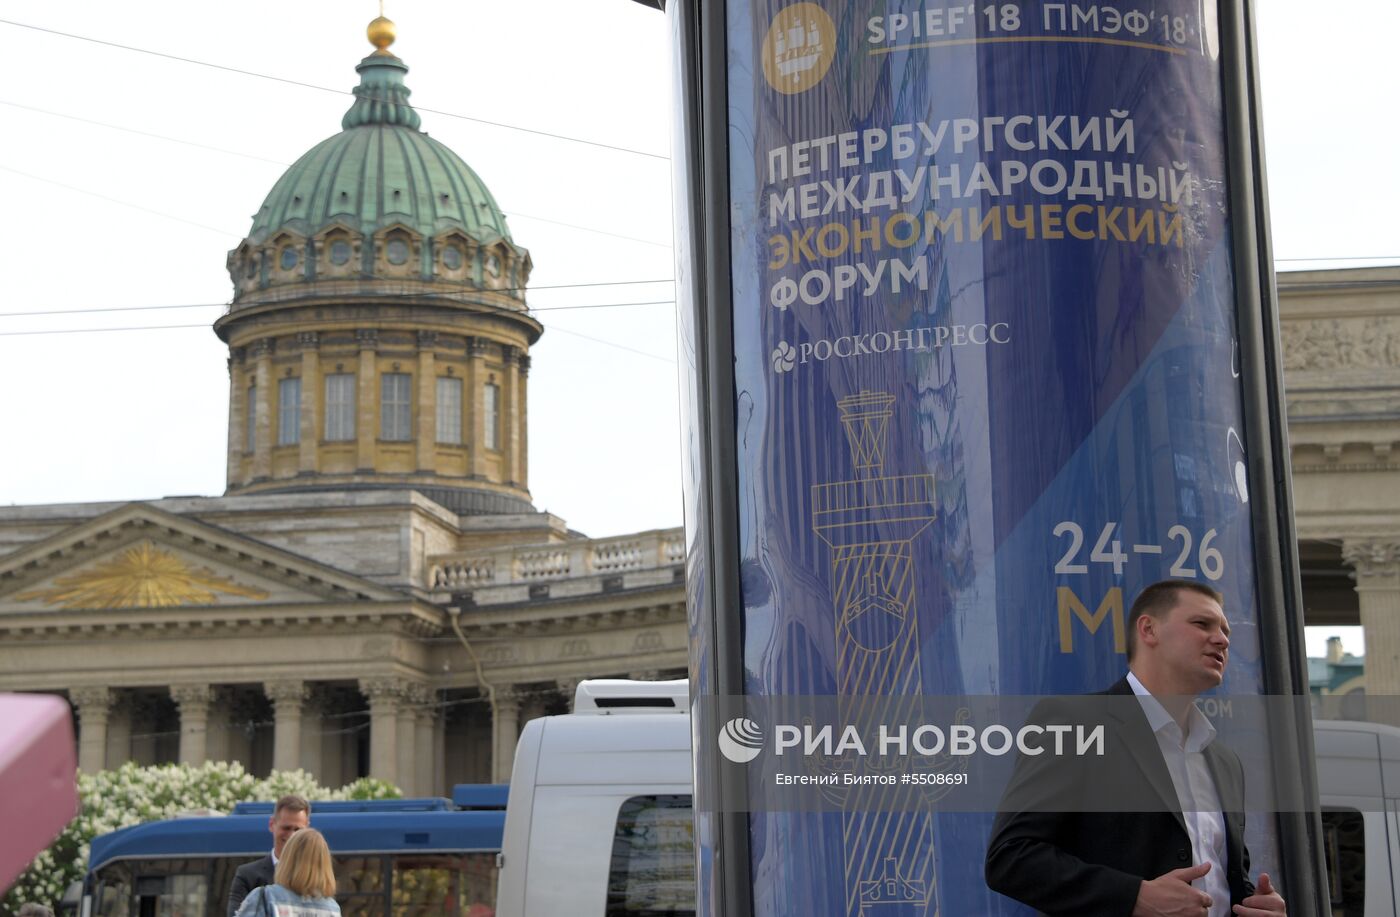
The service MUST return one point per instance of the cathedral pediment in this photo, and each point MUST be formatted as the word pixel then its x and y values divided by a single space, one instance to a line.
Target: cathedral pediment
pixel 139 557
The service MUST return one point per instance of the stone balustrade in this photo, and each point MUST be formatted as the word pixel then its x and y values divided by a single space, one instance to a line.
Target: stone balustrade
pixel 528 564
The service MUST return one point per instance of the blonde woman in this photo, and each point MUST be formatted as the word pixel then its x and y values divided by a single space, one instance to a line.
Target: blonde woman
pixel 305 882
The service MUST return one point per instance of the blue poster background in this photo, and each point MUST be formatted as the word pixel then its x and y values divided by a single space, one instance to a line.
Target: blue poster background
pixel 963 512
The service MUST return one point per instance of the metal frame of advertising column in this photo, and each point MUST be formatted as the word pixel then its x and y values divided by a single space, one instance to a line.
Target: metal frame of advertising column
pixel 704 114
pixel 1280 586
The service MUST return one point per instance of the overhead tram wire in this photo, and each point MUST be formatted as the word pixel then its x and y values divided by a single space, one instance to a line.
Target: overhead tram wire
pixel 526 216
pixel 224 305
pixel 140 133
pixel 1343 258
pixel 305 85
pixel 601 232
pixel 473 308
pixel 205 326
pixel 171 216
pixel 113 200
pixel 589 337
pixel 277 162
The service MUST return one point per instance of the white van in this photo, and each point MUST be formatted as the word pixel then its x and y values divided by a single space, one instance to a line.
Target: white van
pixel 599 817
pixel 1358 778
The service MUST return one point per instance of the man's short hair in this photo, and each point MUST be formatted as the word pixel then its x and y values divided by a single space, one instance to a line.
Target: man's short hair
pixel 291 803
pixel 1160 598
pixel 30 909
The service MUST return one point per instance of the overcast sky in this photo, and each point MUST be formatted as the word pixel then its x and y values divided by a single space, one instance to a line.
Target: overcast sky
pixel 96 217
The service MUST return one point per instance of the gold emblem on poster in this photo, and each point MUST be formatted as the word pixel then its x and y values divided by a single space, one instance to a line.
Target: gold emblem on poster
pixel 142 576
pixel 799 48
pixel 870 523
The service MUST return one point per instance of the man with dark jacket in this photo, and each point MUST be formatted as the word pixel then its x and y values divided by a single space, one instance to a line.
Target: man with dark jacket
pixel 290 815
pixel 1187 856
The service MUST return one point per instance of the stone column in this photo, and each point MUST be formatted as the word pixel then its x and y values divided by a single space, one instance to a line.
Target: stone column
pixel 505 732
pixel 119 728
pixel 414 697
pixel 426 432
pixel 216 746
pixel 1376 562
pixel 366 399
pixel 522 462
pixel 313 725
pixel 237 416
pixel 425 744
pixel 193 701
pixel 94 705
pixel 440 749
pixel 335 735
pixel 568 687
pixel 533 707
pixel 384 693
pixel 510 415
pixel 287 699
pixel 261 352
pixel 308 458
pixel 476 415
pixel 142 725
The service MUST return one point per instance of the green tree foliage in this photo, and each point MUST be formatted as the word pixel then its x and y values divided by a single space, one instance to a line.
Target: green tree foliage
pixel 130 795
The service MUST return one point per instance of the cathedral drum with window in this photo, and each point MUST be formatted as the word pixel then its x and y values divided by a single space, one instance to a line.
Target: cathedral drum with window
pixel 378 335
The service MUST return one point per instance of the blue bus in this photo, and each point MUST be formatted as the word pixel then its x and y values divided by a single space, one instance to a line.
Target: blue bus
pixel 393 858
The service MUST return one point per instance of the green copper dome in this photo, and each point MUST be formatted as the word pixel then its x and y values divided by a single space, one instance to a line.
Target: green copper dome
pixel 381 170
pixel 379 203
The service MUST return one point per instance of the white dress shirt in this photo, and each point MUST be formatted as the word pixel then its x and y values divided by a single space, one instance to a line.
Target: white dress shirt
pixel 1195 791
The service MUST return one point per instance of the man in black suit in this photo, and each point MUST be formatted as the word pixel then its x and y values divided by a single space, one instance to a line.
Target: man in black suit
pixel 290 815
pixel 1051 850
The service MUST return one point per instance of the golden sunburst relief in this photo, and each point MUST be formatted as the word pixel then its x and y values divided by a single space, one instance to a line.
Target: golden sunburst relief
pixel 143 576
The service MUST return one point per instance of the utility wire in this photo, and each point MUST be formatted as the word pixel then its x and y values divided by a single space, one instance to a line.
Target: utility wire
pixel 1345 258
pixel 588 337
pixel 113 200
pixel 414 311
pixel 171 216
pixel 471 308
pixel 224 305
pixel 8 334
pixel 305 85
pixel 132 130
pixel 320 88
pixel 276 162
pixel 553 329
pixel 601 232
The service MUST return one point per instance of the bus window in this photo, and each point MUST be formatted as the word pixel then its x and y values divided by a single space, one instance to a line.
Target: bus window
pixel 171 894
pixel 222 871
pixel 478 891
pixel 445 886
pixel 360 886
pixel 653 860
pixel 113 891
pixel 1344 847
pixel 152 888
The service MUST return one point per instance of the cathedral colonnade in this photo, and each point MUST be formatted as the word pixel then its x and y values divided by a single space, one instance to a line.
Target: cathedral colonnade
pixel 397 729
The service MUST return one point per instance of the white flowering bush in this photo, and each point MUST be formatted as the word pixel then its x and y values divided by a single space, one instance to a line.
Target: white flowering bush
pixel 130 795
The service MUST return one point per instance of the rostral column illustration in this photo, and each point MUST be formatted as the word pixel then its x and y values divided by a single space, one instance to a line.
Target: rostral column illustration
pixel 870 523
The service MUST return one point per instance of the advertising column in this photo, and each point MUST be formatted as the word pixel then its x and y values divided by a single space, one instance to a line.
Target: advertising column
pixel 986 385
